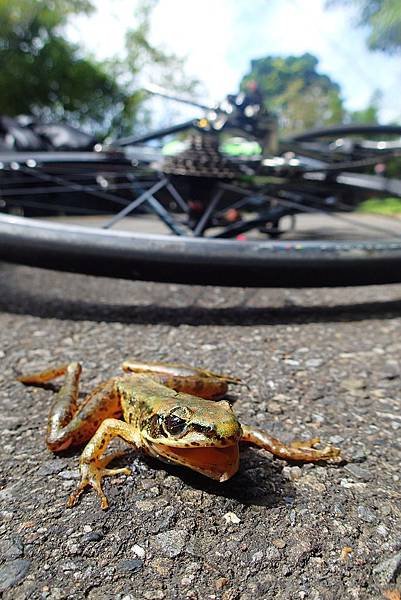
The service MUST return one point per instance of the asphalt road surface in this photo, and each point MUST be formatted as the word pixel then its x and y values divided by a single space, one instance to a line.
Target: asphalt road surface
pixel 318 363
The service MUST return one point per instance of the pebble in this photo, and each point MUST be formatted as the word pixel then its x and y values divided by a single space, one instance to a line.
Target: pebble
pixel 220 583
pixel 13 572
pixel 387 570
pixel 274 408
pixel 51 467
pixel 231 517
pixel 314 362
pixel 358 472
pixel 139 551
pixel 170 543
pixel 357 455
pixel 336 439
pixel 292 473
pixel 129 565
pixel 365 514
pixel 257 557
pixel 92 536
pixel 70 474
pixel 154 595
pixel 382 530
pixel 11 548
pixel 353 384
pixel 279 543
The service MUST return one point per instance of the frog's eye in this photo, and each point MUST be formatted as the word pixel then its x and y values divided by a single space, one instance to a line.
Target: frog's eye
pixel 174 425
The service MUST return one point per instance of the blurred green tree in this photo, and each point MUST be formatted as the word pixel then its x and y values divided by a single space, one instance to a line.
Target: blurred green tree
pixel 292 88
pixel 383 20
pixel 43 74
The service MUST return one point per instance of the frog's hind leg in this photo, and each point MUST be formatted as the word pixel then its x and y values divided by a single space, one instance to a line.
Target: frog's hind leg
pixel 183 378
pixel 70 425
pixel 299 450
pixel 43 376
pixel 93 463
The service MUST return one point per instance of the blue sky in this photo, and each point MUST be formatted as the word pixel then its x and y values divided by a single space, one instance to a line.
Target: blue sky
pixel 220 37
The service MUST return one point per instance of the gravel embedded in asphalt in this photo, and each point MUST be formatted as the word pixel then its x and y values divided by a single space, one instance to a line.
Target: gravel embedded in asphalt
pixel 318 363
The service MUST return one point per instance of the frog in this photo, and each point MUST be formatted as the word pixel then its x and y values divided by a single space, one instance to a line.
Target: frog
pixel 173 412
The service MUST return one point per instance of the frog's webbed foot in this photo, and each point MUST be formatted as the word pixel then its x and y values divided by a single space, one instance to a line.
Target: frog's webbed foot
pixel 92 474
pixel 93 463
pixel 302 450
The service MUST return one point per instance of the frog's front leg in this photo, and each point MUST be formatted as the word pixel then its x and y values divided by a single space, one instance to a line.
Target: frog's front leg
pixel 68 424
pixel 92 464
pixel 300 450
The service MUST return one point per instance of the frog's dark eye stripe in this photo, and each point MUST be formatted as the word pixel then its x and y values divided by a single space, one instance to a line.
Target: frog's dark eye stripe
pixel 174 424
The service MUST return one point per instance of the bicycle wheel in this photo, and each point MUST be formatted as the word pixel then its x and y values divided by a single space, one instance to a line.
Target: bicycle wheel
pixel 83 200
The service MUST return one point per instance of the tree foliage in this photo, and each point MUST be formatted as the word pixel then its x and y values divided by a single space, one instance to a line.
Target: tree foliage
pixel 43 74
pixel 292 87
pixel 383 20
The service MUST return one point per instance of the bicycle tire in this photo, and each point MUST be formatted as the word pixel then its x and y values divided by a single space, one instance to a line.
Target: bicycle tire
pixel 195 260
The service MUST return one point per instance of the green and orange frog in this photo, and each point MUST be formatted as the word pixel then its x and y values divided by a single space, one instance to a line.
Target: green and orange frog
pixel 172 412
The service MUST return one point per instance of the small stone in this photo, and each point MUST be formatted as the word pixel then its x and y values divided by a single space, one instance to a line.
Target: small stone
pixel 358 472
pixel 11 548
pixel 231 517
pixel 70 474
pixel 51 467
pixel 382 530
pixel 208 347
pixel 352 384
pixel 357 455
pixel 292 363
pixel 220 583
pixel 365 514
pixel 139 551
pixel 12 573
pixel 170 543
pixel 274 408
pixel 92 536
pixel 72 547
pixel 314 363
pixel 257 557
pixel 272 554
pixel 336 439
pixel 387 571
pixel 129 566
pixel 279 543
pixel 292 473
pixel 154 595
pixel 318 418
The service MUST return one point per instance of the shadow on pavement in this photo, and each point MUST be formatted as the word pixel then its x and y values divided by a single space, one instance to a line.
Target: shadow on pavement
pixel 41 305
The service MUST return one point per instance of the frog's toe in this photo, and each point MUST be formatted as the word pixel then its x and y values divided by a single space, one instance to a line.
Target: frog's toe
pixel 92 475
pixel 331 453
pixel 311 443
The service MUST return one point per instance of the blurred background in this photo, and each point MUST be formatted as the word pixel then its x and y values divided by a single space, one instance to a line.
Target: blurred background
pixel 316 62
